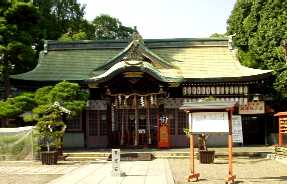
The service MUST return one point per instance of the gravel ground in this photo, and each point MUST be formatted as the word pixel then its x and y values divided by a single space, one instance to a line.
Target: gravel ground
pixel 30 172
pixel 27 178
pixel 247 170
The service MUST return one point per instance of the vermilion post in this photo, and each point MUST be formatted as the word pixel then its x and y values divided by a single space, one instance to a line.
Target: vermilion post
pixel 280 137
pixel 191 137
pixel 193 174
pixel 230 176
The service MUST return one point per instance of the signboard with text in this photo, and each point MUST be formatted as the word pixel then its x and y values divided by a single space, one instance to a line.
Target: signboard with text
pixel 209 122
pixel 163 132
pixel 257 107
pixel 237 134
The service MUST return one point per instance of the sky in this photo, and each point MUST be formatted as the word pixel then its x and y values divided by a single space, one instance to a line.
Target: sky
pixel 166 18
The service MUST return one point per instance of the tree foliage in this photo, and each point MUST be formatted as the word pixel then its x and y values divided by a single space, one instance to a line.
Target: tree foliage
pixel 15 106
pixel 218 35
pixel 69 95
pixel 59 17
pixel 19 30
pixel 107 27
pixel 260 27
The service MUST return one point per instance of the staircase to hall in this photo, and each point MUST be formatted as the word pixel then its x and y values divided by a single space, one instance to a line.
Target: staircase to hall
pixel 168 154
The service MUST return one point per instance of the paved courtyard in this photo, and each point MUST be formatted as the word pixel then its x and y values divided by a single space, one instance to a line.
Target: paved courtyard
pixel 136 172
pixel 158 171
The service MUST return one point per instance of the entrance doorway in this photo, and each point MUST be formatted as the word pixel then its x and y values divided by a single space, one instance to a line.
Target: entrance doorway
pixel 125 127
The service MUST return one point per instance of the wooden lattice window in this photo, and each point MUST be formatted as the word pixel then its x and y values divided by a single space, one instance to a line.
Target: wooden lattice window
pixel 97 120
pixel 181 122
pixel 93 118
pixel 74 124
pixel 171 115
pixel 153 118
pixel 103 123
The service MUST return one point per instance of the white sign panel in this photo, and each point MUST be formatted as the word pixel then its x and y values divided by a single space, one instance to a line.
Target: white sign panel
pixel 210 122
pixel 116 157
pixel 237 134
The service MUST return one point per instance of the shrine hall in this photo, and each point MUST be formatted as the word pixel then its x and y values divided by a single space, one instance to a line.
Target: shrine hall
pixel 136 86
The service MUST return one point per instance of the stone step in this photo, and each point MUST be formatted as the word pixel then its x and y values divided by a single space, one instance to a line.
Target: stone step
pixel 85 158
pixel 87 154
pixel 79 156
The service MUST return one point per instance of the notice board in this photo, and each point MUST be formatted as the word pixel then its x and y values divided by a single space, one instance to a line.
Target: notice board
pixel 209 122
pixel 237 134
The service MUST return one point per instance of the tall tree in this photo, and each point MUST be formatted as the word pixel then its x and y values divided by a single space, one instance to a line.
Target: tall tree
pixel 218 35
pixel 60 16
pixel 19 32
pixel 260 27
pixel 107 27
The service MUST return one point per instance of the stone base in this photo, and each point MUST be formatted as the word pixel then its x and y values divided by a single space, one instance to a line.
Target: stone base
pixel 134 157
pixel 230 179
pixel 193 176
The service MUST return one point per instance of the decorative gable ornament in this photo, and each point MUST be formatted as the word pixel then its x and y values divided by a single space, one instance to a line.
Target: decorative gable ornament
pixel 134 54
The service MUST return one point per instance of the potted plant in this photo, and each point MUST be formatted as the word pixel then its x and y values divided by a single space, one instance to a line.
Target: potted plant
pixel 205 156
pixel 51 128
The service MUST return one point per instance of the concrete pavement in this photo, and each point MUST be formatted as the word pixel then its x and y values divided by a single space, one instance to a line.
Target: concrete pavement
pixel 137 172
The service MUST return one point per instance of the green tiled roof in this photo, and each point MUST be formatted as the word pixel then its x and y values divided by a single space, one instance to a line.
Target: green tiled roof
pixel 189 59
pixel 122 66
pixel 73 65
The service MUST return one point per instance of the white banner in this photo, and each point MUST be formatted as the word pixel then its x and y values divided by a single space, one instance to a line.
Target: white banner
pixel 237 134
pixel 210 122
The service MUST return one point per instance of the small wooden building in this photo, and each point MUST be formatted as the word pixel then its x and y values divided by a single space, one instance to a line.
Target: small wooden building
pixel 132 83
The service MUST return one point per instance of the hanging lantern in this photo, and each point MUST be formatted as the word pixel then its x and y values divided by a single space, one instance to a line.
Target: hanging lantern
pixel 245 90
pixel 125 100
pixel 193 90
pixel 207 90
pixel 198 91
pixel 189 90
pixel 203 90
pixel 119 99
pixel 184 91
pixel 240 90
pixel 212 90
pixel 231 90
pixel 226 90
pixel 142 101
pixel 151 100
pixel 235 89
pixel 222 90
pixel 217 90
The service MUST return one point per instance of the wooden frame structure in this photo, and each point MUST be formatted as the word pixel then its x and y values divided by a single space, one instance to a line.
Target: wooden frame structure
pixel 282 126
pixel 210 107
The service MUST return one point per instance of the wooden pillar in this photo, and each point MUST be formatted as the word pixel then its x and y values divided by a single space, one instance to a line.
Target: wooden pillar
pixel 136 120
pixel 148 124
pixel 122 127
pixel 230 176
pixel 280 136
pixel 193 174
